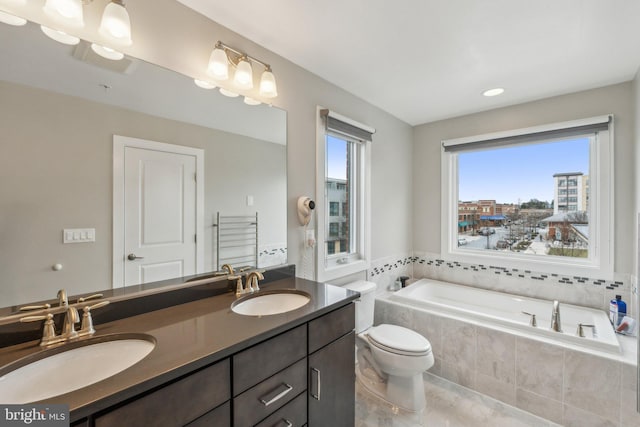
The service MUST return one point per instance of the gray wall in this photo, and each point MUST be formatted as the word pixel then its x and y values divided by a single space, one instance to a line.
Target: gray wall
pixel 56 172
pixel 616 99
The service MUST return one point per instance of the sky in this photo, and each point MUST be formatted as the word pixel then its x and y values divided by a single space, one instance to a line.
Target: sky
pixel 336 158
pixel 519 174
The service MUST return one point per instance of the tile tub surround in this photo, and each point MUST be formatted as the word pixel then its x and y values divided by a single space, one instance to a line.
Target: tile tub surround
pixel 565 386
pixel 577 290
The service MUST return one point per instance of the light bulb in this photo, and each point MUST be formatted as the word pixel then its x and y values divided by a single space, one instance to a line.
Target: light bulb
pixel 243 79
pixel 493 92
pixel 10 19
pixel 218 64
pixel 66 12
pixel 115 24
pixel 268 87
pixel 107 52
pixel 60 36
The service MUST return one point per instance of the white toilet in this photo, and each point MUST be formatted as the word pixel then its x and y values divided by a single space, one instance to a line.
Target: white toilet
pixel 391 359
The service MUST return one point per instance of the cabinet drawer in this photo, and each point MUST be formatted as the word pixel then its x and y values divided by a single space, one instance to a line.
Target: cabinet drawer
pixel 293 414
pixel 270 395
pixel 177 403
pixel 265 359
pixel 331 326
pixel 219 417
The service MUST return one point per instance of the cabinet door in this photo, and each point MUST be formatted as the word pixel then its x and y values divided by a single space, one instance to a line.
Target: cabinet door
pixel 331 393
pixel 175 404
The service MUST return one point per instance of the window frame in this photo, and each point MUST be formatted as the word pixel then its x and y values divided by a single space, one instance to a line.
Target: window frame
pixel 333 266
pixel 601 205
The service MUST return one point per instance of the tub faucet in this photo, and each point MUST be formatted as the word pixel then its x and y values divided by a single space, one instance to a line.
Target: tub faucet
pixel 556 325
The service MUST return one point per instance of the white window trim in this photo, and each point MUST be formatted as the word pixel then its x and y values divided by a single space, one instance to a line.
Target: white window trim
pixel 330 271
pixel 601 262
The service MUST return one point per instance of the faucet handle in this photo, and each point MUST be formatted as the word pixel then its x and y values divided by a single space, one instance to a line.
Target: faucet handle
pixel 240 290
pixel 35 307
pixel 87 321
pixel 533 322
pixel 94 296
pixel 48 330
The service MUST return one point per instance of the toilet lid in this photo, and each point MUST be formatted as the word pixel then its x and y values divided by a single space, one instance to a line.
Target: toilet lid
pixel 398 339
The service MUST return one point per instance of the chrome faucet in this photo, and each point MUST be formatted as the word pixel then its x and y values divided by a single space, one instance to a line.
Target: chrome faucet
pixel 252 281
pixel 556 325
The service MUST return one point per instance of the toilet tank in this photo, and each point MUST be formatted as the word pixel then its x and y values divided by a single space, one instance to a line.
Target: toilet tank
pixel 365 304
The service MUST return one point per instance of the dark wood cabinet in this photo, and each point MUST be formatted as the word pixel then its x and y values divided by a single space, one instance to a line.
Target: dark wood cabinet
pixel 303 376
pixel 175 404
pixel 332 384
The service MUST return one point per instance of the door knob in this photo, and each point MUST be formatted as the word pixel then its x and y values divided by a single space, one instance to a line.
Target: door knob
pixel 133 257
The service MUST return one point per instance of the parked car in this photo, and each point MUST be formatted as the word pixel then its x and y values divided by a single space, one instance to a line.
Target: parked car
pixel 462 241
pixel 485 231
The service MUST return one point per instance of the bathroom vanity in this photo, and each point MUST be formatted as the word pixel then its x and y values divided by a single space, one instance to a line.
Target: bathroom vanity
pixel 214 367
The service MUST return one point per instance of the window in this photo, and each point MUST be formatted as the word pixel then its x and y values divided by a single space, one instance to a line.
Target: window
pixel 334 208
pixel 545 193
pixel 343 181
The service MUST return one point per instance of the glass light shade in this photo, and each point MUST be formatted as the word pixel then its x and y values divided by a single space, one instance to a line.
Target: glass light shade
pixel 10 19
pixel 243 78
pixel 60 36
pixel 268 87
pixel 67 12
pixel 107 52
pixel 116 25
pixel 227 92
pixel 204 84
pixel 251 101
pixel 218 64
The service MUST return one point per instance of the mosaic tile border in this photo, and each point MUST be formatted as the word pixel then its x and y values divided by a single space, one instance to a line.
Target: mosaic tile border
pixel 512 272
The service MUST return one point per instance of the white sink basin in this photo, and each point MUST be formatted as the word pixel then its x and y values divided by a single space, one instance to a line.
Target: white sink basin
pixel 266 303
pixel 70 367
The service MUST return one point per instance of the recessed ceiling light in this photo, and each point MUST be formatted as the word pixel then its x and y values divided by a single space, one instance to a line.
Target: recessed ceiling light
pixel 493 92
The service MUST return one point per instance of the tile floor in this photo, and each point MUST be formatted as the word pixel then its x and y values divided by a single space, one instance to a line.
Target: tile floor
pixel 448 405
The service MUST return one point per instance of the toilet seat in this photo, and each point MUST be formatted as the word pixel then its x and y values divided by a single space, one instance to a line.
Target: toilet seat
pixel 399 340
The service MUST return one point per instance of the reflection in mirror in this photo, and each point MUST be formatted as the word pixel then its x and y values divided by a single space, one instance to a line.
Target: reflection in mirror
pixel 61 108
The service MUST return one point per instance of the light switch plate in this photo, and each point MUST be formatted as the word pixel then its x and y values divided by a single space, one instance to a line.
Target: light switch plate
pixel 78 235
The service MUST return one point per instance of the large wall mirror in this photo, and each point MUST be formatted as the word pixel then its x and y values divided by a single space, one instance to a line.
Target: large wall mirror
pixel 61 108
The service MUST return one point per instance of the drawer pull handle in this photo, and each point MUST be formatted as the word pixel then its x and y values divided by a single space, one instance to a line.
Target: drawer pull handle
pixel 286 422
pixel 278 396
pixel 317 395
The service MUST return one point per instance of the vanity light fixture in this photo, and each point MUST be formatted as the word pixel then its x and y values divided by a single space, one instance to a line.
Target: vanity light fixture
pixel 60 36
pixel 115 24
pixel 229 93
pixel 10 19
pixel 493 92
pixel 243 78
pixel 65 12
pixel 251 101
pixel 204 84
pixel 223 55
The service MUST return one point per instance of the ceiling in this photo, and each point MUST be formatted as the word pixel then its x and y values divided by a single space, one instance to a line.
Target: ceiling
pixel 426 60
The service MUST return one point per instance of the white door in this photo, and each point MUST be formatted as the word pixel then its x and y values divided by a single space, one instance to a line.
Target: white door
pixel 159 213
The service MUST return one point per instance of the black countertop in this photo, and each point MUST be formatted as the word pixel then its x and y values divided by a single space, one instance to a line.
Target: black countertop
pixel 188 336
